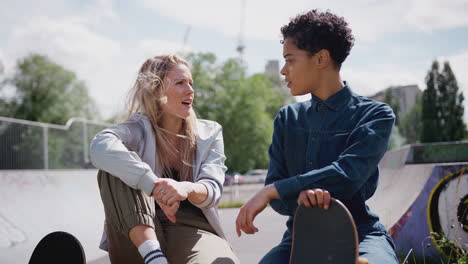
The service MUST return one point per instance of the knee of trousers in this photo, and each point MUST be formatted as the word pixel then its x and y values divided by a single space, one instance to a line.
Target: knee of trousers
pixel 124 206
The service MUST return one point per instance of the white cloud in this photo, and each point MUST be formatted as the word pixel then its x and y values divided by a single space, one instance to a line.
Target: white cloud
pixel 2 64
pixel 72 44
pixel 97 12
pixel 429 15
pixel 263 18
pixel 107 67
pixel 459 64
pixel 60 30
pixel 369 81
pixel 66 33
pixel 372 80
pixel 75 46
pixel 151 47
pixel 93 12
pixel 220 15
pixel 16 10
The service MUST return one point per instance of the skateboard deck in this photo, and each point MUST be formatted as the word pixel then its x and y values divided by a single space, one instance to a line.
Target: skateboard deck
pixel 324 236
pixel 58 247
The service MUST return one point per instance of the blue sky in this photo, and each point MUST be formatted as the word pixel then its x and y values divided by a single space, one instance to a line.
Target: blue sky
pixel 105 41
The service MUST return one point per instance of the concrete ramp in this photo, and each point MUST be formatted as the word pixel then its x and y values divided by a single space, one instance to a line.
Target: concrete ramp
pixel 424 189
pixel 34 203
pixel 399 185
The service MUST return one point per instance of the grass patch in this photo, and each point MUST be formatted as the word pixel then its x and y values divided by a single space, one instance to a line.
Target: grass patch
pixel 455 253
pixel 231 205
pixel 412 259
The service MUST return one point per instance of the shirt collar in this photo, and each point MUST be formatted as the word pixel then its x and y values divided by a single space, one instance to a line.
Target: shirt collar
pixel 336 101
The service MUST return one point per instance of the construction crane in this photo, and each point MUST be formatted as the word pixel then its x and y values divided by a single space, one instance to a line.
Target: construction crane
pixel 240 48
pixel 186 35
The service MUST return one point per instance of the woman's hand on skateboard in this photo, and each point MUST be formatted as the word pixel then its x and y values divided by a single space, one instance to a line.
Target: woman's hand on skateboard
pixel 252 208
pixel 314 197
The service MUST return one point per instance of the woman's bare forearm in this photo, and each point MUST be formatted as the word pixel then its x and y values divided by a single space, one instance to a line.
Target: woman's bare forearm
pixel 197 192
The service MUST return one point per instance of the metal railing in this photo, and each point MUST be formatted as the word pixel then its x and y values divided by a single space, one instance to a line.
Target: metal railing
pixel 34 145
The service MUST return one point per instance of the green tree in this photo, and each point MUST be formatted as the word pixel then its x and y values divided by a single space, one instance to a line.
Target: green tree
pixel 393 102
pixel 244 105
pixel 396 139
pixel 430 108
pixel 442 106
pixel 451 102
pixel 282 94
pixel 411 124
pixel 5 108
pixel 46 92
pixel 204 70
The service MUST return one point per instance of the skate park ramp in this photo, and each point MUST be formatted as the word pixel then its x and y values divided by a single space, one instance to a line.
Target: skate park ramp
pixel 422 189
pixel 34 203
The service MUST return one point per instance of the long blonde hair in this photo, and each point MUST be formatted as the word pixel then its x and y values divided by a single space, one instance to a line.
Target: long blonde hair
pixel 147 96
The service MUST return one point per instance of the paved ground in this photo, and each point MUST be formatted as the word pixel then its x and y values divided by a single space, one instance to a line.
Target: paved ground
pixel 239 193
pixel 249 248
pixel 34 203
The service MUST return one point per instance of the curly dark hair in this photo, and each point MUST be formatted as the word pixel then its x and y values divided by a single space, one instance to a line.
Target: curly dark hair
pixel 315 30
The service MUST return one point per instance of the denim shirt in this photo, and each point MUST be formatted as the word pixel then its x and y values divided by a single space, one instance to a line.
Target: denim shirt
pixel 334 145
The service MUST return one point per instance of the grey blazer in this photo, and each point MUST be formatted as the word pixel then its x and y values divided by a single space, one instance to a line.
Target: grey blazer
pixel 128 151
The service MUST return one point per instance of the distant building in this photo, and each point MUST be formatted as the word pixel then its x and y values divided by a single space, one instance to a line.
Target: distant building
pixel 272 68
pixel 406 96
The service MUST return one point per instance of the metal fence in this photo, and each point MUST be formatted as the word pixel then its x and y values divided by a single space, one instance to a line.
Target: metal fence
pixel 34 145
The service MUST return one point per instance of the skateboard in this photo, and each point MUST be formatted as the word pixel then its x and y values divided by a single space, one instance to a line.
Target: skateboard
pixel 324 236
pixel 58 247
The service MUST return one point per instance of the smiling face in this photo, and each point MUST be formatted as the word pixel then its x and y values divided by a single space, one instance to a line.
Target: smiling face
pixel 178 91
pixel 299 69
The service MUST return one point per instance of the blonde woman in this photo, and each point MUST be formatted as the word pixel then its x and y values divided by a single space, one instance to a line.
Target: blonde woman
pixel 161 174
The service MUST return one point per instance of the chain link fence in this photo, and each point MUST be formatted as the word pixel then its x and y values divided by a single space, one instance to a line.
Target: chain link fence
pixel 34 145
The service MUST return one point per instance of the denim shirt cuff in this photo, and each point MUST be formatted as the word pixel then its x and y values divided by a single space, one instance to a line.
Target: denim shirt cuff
pixel 288 187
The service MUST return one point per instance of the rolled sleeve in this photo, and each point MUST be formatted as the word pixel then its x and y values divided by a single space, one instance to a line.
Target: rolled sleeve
pixel 146 183
pixel 210 194
pixel 212 170
pixel 288 187
pixel 109 151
